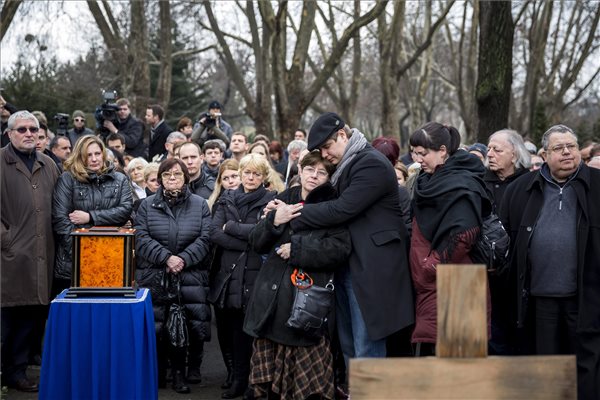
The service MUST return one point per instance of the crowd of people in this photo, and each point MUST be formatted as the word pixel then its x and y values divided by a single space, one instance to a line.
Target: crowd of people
pixel 243 228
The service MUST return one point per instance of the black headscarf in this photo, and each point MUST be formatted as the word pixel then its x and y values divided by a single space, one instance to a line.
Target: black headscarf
pixel 452 200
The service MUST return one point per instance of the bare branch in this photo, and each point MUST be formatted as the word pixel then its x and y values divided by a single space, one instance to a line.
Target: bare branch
pixel 9 9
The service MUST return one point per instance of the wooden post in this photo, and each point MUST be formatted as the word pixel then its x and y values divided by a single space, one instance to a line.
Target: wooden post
pixel 461 311
pixel 461 369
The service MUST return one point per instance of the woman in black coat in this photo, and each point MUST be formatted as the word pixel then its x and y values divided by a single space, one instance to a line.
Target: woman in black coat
pixel 89 193
pixel 235 215
pixel 288 362
pixel 172 239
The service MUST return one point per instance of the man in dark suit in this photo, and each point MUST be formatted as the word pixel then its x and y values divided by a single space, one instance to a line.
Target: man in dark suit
pixel 159 129
pixel 374 292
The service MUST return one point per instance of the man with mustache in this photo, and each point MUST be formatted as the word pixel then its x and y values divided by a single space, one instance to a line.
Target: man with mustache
pixel 553 219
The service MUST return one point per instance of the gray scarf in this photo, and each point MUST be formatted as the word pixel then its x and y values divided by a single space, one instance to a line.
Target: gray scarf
pixel 356 143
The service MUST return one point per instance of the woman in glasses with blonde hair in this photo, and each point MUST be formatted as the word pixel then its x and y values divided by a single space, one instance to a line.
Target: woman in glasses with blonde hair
pixel 171 241
pixel 234 216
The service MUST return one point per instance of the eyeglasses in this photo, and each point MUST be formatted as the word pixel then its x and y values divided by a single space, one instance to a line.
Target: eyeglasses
pixel 24 129
pixel 250 173
pixel 559 148
pixel 311 171
pixel 79 120
pixel 168 175
pixel 230 177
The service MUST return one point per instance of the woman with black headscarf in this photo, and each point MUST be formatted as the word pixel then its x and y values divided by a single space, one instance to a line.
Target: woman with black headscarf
pixel 449 202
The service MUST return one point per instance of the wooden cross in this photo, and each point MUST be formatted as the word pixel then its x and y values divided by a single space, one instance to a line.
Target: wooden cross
pixel 462 368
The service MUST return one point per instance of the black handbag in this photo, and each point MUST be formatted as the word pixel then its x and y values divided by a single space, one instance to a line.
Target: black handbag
pixel 162 288
pixel 176 322
pixel 312 304
pixel 492 246
pixel 220 285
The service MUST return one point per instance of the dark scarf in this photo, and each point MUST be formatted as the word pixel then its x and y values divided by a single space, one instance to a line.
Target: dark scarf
pixel 27 158
pixel 175 197
pixel 244 201
pixel 445 200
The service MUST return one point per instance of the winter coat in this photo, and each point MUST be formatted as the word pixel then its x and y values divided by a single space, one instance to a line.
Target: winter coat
pixel 203 186
pixel 233 242
pixel 318 252
pixel 496 187
pixel 27 238
pixel 158 138
pixel 161 232
pixel 519 212
pixel 107 198
pixel 75 135
pixel 132 130
pixel 369 205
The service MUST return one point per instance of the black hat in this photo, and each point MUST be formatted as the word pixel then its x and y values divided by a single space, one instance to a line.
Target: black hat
pixel 215 104
pixel 480 147
pixel 323 128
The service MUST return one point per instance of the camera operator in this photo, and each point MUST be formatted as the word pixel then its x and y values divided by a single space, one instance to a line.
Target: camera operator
pixel 79 129
pixel 212 126
pixel 131 128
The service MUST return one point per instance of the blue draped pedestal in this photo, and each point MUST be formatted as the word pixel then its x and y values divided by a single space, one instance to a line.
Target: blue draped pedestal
pixel 100 348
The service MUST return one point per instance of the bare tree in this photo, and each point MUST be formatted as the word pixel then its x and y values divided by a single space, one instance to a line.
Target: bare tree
pixel 494 75
pixel 130 53
pixel 9 9
pixel 558 39
pixel 163 89
pixel 396 60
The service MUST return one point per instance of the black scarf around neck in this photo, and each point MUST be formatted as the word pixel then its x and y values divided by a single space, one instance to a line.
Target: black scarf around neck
pixel 244 201
pixel 451 200
pixel 175 197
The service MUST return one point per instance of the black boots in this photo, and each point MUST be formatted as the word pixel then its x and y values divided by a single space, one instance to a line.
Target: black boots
pixel 178 384
pixel 228 359
pixel 237 389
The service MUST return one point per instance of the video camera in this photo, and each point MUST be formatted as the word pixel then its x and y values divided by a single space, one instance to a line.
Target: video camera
pixel 210 119
pixel 62 124
pixel 107 111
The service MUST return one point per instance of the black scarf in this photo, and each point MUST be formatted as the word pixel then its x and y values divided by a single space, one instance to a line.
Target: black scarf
pixel 445 200
pixel 244 201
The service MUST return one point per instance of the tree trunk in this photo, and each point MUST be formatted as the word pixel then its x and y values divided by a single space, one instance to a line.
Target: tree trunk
pixel 9 9
pixel 494 67
pixel 138 59
pixel 163 89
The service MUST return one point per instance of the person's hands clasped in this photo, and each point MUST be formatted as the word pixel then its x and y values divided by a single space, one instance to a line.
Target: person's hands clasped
pixel 286 213
pixel 79 217
pixel 175 264
pixel 284 251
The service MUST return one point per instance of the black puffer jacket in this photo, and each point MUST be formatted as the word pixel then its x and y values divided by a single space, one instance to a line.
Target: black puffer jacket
pixel 317 251
pixel 107 198
pixel 161 232
pixel 233 240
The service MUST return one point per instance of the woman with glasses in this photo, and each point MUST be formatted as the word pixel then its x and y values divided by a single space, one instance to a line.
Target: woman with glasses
pixel 448 205
pixel 171 242
pixel 235 215
pixel 289 363
pixel 90 192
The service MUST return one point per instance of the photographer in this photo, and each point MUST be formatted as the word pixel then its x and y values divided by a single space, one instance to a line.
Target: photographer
pixel 131 128
pixel 212 126
pixel 79 129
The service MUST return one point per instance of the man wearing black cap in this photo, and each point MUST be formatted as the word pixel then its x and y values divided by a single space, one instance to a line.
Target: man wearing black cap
pixel 212 126
pixel 374 292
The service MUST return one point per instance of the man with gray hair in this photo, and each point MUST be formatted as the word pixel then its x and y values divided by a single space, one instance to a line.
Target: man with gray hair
pixel 173 138
pixel 507 159
pixel 553 219
pixel 27 178
pixel 290 169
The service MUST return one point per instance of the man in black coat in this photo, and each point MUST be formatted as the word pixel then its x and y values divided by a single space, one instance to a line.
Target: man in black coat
pixel 159 130
pixel 201 183
pixel 553 219
pixel 131 128
pixel 374 292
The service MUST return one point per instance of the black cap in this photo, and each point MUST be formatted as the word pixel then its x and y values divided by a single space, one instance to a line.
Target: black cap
pixel 323 128
pixel 214 104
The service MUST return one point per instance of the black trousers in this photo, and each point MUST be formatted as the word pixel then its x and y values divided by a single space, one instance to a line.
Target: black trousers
pixel 555 324
pixel 18 324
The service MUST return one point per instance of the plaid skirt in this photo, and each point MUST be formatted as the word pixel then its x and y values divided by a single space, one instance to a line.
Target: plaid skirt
pixel 292 372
